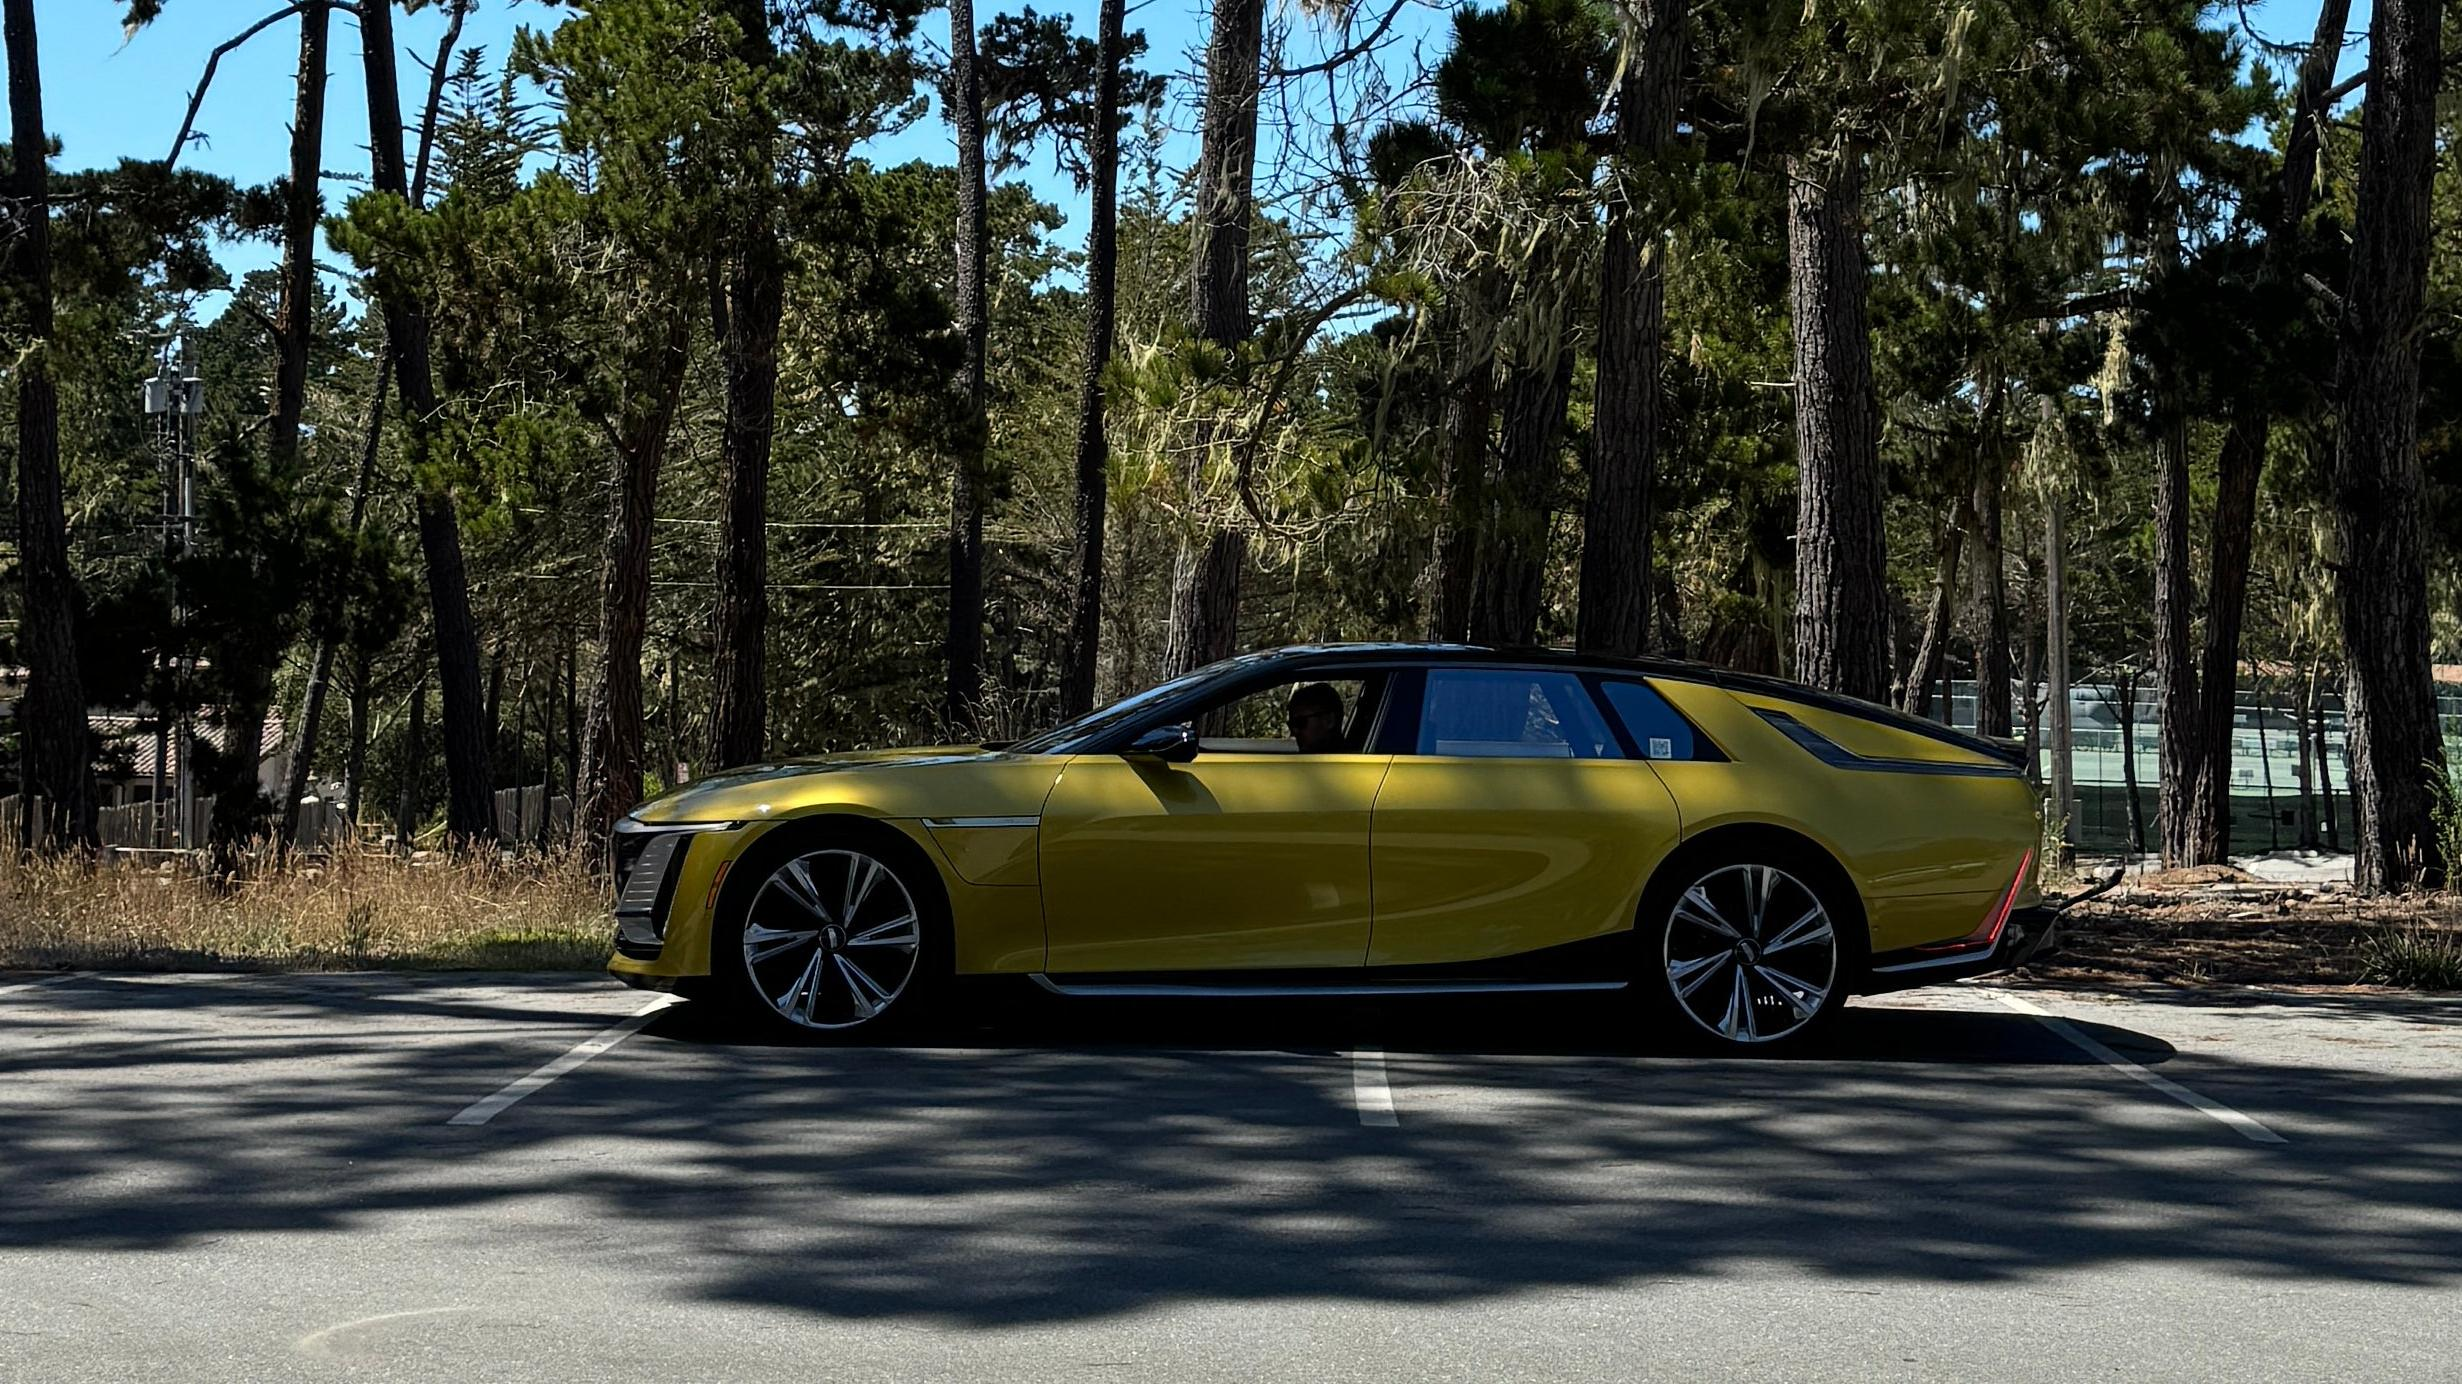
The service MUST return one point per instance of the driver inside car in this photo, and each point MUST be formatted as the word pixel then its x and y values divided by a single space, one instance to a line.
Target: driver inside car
pixel 1315 714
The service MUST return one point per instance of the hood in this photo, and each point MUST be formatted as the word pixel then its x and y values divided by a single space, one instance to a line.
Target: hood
pixel 753 791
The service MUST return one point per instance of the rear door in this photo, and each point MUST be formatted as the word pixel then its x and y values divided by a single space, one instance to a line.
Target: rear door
pixel 1514 819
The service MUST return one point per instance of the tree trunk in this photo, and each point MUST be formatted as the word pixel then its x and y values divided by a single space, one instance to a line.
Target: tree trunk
pixel 2389 700
pixel 521 749
pixel 414 754
pixel 1614 608
pixel 547 758
pixel 1510 594
pixel 739 699
pixel 1932 649
pixel 2175 675
pixel 1470 402
pixel 469 803
pixel 1085 634
pixel 2128 762
pixel 2304 692
pixel 753 307
pixel 671 764
pixel 2056 651
pixel 2265 764
pixel 327 624
pixel 239 798
pixel 2032 674
pixel 572 721
pixel 495 697
pixel 1205 610
pixel 57 766
pixel 295 317
pixel 1992 670
pixel 966 490
pixel 2242 459
pixel 1841 609
pixel 611 751
pixel 330 614
pixel 355 758
pixel 1205 581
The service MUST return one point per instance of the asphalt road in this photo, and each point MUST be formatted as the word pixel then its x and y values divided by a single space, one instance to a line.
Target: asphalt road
pixel 263 1177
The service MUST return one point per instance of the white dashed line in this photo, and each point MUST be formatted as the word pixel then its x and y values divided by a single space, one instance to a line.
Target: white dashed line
pixel 2246 1127
pixel 1369 1091
pixel 480 1112
pixel 37 984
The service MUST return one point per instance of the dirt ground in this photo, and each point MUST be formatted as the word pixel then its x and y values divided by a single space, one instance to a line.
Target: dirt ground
pixel 2218 926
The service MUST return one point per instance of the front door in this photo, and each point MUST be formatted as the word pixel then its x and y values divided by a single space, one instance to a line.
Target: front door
pixel 1252 856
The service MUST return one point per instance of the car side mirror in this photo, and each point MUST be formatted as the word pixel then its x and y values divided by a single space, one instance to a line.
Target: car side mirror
pixel 1170 744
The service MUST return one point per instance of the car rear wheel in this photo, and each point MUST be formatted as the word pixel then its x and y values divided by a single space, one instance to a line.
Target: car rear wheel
pixel 830 938
pixel 1748 952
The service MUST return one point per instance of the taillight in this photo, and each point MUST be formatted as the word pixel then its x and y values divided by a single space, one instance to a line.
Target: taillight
pixel 1988 933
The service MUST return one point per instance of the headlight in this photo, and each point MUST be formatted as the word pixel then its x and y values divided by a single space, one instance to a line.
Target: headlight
pixel 643 855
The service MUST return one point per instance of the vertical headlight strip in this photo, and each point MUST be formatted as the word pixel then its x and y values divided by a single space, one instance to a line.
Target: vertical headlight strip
pixel 637 900
pixel 645 857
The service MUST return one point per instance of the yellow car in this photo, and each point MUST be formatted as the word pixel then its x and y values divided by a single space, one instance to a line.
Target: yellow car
pixel 1741 853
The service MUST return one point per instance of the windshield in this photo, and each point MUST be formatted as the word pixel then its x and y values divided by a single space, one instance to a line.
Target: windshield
pixel 1069 735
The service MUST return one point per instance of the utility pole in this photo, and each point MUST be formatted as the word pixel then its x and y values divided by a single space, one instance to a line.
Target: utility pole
pixel 174 401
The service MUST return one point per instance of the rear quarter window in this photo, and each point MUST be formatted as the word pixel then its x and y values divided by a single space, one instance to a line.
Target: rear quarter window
pixel 1658 730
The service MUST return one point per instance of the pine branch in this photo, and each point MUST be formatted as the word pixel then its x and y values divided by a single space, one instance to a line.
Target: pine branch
pixel 435 96
pixel 196 98
pixel 1356 50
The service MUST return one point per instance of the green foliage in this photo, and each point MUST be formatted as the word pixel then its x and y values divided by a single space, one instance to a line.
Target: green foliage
pixel 2060 222
pixel 2412 956
pixel 1038 88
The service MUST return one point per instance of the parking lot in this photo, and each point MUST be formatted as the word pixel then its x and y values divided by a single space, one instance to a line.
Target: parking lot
pixel 397 1176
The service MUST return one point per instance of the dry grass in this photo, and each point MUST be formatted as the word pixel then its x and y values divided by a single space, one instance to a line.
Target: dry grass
pixel 352 911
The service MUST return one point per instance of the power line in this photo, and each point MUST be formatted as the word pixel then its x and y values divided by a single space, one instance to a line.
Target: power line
pixel 781 523
pixel 774 586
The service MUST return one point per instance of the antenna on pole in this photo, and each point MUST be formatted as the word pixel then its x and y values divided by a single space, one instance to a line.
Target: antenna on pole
pixel 174 401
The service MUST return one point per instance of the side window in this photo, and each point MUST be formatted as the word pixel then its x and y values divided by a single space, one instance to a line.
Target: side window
pixel 1308 716
pixel 1656 728
pixel 1511 714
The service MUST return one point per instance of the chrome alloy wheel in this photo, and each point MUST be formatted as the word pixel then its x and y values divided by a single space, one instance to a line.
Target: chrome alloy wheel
pixel 1750 954
pixel 831 939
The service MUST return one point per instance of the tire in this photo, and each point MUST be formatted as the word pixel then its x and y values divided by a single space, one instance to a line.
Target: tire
pixel 831 931
pixel 1747 949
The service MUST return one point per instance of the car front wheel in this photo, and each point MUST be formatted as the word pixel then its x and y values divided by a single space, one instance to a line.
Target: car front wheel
pixel 833 938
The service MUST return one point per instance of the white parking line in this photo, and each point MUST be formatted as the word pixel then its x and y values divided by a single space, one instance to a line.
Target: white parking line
pixel 2245 1126
pixel 480 1112
pixel 37 984
pixel 1369 1091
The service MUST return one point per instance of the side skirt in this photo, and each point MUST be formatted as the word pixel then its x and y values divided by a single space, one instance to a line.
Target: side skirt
pixel 1596 964
pixel 1089 987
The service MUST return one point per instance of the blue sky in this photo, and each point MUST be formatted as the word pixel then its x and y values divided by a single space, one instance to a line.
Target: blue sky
pixel 109 98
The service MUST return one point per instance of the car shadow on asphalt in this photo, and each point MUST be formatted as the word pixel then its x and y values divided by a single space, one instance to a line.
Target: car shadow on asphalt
pixel 1056 1165
pixel 1571 1025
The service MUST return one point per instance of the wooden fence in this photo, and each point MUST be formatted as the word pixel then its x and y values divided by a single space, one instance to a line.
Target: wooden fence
pixel 146 826
pixel 517 815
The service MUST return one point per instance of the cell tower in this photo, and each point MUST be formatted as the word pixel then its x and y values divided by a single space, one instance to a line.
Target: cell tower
pixel 174 402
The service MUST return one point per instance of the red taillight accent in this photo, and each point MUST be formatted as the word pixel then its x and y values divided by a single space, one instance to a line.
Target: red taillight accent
pixel 1988 935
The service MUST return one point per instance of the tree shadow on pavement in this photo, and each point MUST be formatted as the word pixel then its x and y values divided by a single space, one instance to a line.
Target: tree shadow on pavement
pixel 1053 1165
